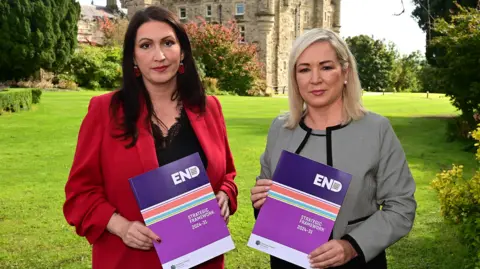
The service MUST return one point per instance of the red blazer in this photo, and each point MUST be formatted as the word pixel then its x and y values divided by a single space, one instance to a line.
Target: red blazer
pixel 98 182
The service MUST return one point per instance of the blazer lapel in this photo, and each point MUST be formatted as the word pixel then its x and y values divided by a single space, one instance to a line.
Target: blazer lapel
pixel 201 130
pixel 145 144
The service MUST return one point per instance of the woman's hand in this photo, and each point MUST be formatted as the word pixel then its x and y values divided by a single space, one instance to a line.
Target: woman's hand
pixel 333 253
pixel 259 192
pixel 222 199
pixel 133 233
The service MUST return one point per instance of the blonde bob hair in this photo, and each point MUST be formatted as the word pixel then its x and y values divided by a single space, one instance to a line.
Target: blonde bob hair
pixel 352 92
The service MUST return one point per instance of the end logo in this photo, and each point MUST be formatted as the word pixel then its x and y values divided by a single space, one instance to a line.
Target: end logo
pixel 189 173
pixel 329 184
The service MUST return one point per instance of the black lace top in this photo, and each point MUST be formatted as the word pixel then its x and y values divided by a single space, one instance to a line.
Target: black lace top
pixel 180 141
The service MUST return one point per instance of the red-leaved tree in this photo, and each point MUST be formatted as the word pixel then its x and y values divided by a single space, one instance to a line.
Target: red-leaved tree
pixel 234 63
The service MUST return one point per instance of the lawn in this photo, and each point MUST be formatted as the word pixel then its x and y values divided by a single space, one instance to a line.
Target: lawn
pixel 36 151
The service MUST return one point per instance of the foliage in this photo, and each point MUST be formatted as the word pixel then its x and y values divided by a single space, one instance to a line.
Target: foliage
pixel 409 68
pixel 210 85
pixel 375 62
pixel 14 100
pixel 460 202
pixel 233 63
pixel 36 34
pixel 430 79
pixel 113 31
pixel 460 67
pixel 426 11
pixel 95 67
pixel 36 94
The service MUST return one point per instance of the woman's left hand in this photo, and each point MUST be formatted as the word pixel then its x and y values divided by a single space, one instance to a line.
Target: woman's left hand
pixel 222 199
pixel 333 253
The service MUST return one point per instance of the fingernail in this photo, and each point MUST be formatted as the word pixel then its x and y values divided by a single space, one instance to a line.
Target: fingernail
pixel 267 188
pixel 159 240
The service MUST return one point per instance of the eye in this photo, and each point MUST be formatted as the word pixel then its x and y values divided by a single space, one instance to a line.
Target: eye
pixel 169 43
pixel 304 70
pixel 327 67
pixel 144 46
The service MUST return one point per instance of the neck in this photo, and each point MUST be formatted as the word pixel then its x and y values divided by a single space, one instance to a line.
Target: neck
pixel 161 94
pixel 320 118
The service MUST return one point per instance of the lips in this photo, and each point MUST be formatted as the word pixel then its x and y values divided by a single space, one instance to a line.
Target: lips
pixel 160 68
pixel 318 92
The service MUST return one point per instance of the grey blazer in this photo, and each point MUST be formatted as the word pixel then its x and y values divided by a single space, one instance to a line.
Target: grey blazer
pixel 379 208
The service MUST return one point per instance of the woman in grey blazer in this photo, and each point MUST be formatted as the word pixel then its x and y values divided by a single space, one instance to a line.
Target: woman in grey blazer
pixel 327 123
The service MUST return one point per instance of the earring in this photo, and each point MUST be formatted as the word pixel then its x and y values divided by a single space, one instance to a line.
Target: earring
pixel 181 69
pixel 137 71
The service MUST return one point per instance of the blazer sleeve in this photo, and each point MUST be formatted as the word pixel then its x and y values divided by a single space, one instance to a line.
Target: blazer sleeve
pixel 86 207
pixel 395 193
pixel 265 168
pixel 228 185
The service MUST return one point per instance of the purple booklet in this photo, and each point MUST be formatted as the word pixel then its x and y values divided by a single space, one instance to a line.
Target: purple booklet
pixel 300 210
pixel 178 204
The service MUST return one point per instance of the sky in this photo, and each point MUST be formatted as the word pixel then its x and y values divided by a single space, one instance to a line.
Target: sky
pixel 374 18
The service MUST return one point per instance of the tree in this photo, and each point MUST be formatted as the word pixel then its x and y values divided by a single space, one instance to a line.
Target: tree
pixel 427 11
pixel 375 62
pixel 114 31
pixel 36 34
pixel 409 68
pixel 460 36
pixel 234 63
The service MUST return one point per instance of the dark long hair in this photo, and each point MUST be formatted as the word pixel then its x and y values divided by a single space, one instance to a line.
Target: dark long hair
pixel 133 94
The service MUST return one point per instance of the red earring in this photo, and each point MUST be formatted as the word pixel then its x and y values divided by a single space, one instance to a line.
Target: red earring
pixel 137 71
pixel 181 69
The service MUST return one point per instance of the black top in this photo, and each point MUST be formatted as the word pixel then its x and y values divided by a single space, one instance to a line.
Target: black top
pixel 180 141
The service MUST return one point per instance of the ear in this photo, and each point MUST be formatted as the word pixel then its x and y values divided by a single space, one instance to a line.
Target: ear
pixel 346 70
pixel 134 61
pixel 182 55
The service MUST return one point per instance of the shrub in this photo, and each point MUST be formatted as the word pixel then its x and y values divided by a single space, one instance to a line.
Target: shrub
pixel 36 94
pixel 233 63
pixel 460 202
pixel 15 100
pixel 95 68
pixel 210 85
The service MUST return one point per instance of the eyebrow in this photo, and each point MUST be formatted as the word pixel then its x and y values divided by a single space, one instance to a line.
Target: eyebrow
pixel 322 62
pixel 149 39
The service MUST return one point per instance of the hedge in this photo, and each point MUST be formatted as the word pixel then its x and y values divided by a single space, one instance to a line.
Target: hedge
pixel 13 100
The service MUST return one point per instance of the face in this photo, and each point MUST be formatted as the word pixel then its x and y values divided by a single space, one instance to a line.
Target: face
pixel 157 52
pixel 319 75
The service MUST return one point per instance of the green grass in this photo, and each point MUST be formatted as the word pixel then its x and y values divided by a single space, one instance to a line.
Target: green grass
pixel 37 147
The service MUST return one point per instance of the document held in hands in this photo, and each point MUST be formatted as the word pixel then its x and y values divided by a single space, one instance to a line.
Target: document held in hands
pixel 178 204
pixel 300 210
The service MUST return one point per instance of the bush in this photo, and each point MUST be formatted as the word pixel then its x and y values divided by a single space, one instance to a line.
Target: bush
pixel 233 63
pixel 95 68
pixel 460 202
pixel 36 94
pixel 15 100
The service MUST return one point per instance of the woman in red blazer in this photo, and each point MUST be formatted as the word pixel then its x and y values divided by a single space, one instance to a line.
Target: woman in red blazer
pixel 160 114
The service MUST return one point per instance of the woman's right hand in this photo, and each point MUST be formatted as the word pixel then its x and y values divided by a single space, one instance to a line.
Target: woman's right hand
pixel 133 233
pixel 259 192
pixel 137 235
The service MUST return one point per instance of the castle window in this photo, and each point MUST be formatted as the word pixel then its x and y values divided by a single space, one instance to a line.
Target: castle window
pixel 241 29
pixel 239 9
pixel 209 11
pixel 182 12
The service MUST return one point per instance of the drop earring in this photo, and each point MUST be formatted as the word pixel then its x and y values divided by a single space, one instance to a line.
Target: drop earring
pixel 137 71
pixel 181 69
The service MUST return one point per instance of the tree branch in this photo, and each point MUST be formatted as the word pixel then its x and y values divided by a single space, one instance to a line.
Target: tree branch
pixel 403 11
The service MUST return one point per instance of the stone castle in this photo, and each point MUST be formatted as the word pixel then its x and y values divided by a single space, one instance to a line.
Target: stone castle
pixel 271 24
